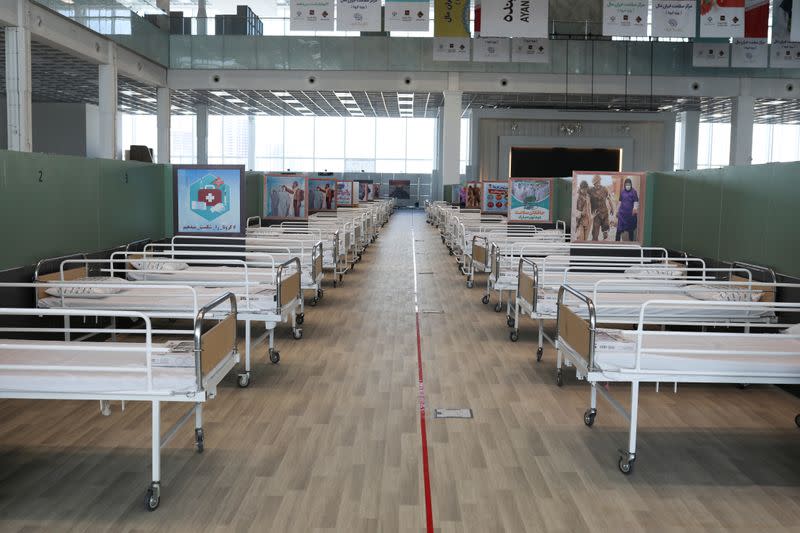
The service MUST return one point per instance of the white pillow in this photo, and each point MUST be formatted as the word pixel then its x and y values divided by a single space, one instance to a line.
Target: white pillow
pixel 792 330
pixel 653 271
pixel 721 293
pixel 168 266
pixel 81 292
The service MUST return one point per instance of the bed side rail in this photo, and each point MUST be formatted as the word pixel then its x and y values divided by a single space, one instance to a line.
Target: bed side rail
pixel 527 285
pixel 214 345
pixel 288 287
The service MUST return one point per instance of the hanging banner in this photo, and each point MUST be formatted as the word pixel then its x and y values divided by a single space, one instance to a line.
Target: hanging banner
pixel 531 200
pixel 784 55
pixel 513 18
pixel 451 48
pixel 451 18
pixel 710 55
pixel 491 49
pixel 677 18
pixel 358 15
pixel 406 15
pixel 722 18
pixel 530 50
pixel 750 53
pixel 756 19
pixel 311 15
pixel 783 29
pixel 625 18
pixel 494 200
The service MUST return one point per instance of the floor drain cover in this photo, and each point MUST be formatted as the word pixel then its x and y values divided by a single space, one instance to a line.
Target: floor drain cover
pixel 452 413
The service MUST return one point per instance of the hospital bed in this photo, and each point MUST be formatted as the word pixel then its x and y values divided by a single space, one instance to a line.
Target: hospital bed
pixel 174 298
pixel 136 370
pixel 602 355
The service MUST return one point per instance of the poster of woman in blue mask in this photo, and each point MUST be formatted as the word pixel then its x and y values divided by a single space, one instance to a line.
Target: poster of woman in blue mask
pixel 628 211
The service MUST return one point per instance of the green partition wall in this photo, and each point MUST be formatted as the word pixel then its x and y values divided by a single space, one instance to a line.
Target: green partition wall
pixel 731 214
pixel 254 190
pixel 53 205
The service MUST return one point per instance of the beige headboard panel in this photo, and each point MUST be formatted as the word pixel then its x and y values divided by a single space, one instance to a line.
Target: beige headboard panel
pixel 217 343
pixel 526 288
pixel 318 264
pixel 289 288
pixel 768 291
pixel 69 275
pixel 479 254
pixel 574 330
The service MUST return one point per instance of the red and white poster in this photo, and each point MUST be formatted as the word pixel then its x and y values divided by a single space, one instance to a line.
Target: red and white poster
pixel 722 18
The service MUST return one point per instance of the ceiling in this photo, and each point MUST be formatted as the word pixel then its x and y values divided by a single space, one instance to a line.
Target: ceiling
pixel 59 77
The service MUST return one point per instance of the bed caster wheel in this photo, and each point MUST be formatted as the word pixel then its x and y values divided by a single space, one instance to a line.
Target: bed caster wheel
pixel 297 333
pixel 199 440
pixel 514 336
pixel 301 318
pixel 539 353
pixel 498 307
pixel 451 252
pixel 588 417
pixel 243 380
pixel 485 299
pixel 274 357
pixel 559 378
pixel 510 321
pixel 625 465
pixel 742 386
pixel 152 497
pixel 334 284
pixel 470 284
pixel 797 420
pixel 314 301
pixel 321 293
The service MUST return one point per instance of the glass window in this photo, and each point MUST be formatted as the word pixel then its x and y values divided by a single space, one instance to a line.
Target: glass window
pixel 299 137
pixel 762 141
pixel 329 137
pixel 419 166
pixel 720 144
pixel 183 139
pixel 704 145
pixel 784 143
pixel 390 138
pixel 215 135
pixel 359 165
pixel 298 164
pixel 390 165
pixel 360 134
pixel 329 165
pixel 269 164
pixel 269 137
pixel 420 138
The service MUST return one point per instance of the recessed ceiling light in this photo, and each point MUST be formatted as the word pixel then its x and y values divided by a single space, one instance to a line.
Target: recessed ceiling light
pixel 281 94
pixel 148 99
pixel 405 95
pixel 129 93
pixel 291 101
pixel 245 107
pixel 773 102
pixel 769 116
pixel 220 93
pixel 343 95
pixel 234 100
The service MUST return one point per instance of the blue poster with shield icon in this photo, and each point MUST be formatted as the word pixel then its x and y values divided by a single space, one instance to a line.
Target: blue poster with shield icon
pixel 208 199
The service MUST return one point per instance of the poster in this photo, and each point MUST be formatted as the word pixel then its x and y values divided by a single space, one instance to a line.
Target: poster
pixel 345 193
pixel 494 197
pixel 322 194
pixel 406 15
pixel 750 53
pixel 451 48
pixel 530 50
pixel 374 191
pixel 514 18
pixel 674 18
pixel 473 199
pixel 710 54
pixel 625 18
pixel 311 15
pixel 491 49
pixel 400 189
pixel 363 190
pixel 208 199
pixel 756 19
pixel 783 31
pixel 285 197
pixel 722 18
pixel 608 206
pixel 531 200
pixel 451 18
pixel 358 15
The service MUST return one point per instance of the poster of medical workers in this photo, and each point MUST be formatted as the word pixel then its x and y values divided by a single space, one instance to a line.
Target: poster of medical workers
pixel 346 194
pixel 531 200
pixel 494 199
pixel 364 189
pixel 208 199
pixel 374 191
pixel 285 197
pixel 473 200
pixel 607 206
pixel 321 194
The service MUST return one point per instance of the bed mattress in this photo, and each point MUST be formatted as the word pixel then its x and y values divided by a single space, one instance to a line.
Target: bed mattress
pixel 172 372
pixel 216 274
pixel 775 354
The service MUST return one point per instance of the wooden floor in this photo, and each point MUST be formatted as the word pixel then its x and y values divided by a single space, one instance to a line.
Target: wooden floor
pixel 330 438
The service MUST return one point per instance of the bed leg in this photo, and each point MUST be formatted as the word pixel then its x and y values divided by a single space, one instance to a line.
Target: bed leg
pixel 591 412
pixel 626 459
pixel 243 379
pixel 540 349
pixel 153 495
pixel 559 371
pixel 515 332
pixel 199 436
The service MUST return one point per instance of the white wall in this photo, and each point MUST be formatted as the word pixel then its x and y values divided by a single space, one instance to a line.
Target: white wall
pixel 646 139
pixel 64 129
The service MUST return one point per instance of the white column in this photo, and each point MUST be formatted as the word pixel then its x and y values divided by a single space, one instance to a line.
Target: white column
pixel 451 137
pixel 742 130
pixel 202 134
pixel 18 84
pixel 120 150
pixel 251 142
pixel 202 21
pixel 107 86
pixel 164 117
pixel 690 126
